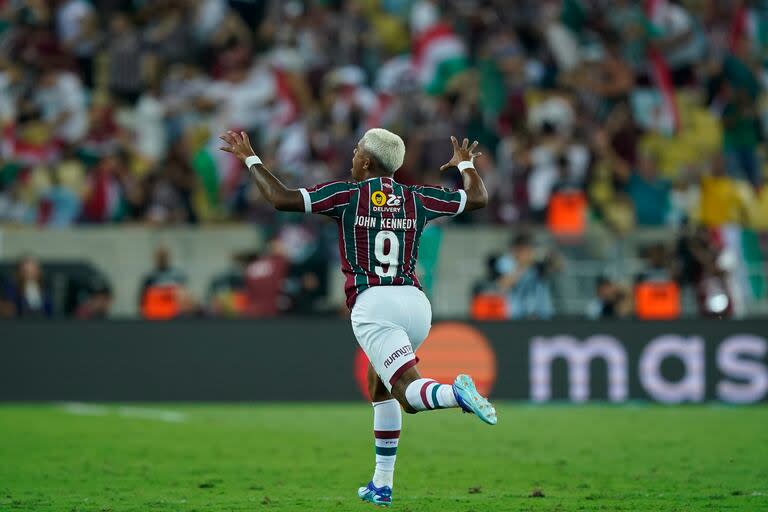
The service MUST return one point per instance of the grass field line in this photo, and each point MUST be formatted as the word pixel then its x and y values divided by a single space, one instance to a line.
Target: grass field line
pixel 125 411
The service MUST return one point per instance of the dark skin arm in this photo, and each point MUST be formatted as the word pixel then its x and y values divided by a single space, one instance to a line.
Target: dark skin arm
pixel 477 195
pixel 291 200
pixel 273 190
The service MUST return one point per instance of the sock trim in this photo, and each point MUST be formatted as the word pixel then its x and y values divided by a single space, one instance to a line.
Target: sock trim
pixel 424 393
pixel 387 452
pixel 386 434
pixel 376 404
pixel 434 397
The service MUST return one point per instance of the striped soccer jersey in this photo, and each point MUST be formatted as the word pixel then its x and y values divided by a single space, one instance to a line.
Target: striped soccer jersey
pixel 380 224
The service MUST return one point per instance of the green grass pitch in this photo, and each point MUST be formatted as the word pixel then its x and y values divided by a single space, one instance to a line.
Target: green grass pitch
pixel 312 457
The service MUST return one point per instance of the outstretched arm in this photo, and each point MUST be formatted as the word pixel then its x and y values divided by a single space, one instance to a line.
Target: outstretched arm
pixel 278 195
pixel 477 195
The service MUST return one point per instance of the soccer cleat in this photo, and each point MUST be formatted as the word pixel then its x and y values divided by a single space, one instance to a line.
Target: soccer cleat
pixel 471 401
pixel 381 496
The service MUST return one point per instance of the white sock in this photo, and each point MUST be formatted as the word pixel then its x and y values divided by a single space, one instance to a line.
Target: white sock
pixel 387 420
pixel 426 394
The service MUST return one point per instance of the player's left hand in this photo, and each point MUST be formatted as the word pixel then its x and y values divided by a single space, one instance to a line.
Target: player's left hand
pixel 462 153
pixel 238 144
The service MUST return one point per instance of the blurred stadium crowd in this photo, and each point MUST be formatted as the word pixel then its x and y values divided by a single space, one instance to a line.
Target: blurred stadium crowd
pixel 618 113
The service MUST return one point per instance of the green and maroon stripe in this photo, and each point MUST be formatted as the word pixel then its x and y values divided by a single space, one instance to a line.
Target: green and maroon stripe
pixel 330 195
pixel 390 184
pixel 347 241
pixel 423 393
pixel 386 451
pixel 440 206
pixel 368 236
pixel 362 238
pixel 410 247
pixel 346 267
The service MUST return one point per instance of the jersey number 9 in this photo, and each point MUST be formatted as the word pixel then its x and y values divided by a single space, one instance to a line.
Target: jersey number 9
pixel 389 258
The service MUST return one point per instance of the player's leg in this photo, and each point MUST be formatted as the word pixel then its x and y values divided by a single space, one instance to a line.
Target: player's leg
pixel 384 320
pixel 423 394
pixel 387 421
pixel 414 392
pixel 418 394
pixel 390 323
pixel 385 344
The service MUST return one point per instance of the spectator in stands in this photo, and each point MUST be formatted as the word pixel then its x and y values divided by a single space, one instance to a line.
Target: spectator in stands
pixel 77 29
pixel 226 292
pixel 61 99
pixel 551 71
pixel 163 272
pixel 606 186
pixel 164 293
pixel 741 136
pixel 60 204
pixel 26 295
pixel 657 264
pixel 103 195
pixel 107 108
pixel 612 300
pixel 125 58
pixel 701 264
pixel 264 281
pixel 97 302
pixel 566 180
pixel 719 202
pixel 524 280
pixel 649 192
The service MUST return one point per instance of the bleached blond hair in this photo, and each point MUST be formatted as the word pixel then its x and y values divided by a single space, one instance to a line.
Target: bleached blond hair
pixel 386 147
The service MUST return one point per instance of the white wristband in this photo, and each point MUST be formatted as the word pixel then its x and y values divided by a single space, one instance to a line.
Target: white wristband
pixel 466 164
pixel 252 160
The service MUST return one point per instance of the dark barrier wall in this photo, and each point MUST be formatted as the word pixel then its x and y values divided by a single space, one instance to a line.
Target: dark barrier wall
pixel 314 359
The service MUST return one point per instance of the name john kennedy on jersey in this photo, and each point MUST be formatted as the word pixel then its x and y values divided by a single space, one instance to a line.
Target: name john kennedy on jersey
pixel 385 223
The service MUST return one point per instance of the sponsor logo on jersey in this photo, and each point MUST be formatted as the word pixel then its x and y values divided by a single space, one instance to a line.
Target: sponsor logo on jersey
pixel 378 198
pixel 386 203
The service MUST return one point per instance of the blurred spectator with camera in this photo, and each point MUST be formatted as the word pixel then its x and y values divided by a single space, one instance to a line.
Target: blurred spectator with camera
pixel 524 279
pixel 612 300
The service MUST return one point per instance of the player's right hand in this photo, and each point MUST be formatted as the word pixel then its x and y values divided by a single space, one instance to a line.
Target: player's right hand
pixel 462 153
pixel 238 144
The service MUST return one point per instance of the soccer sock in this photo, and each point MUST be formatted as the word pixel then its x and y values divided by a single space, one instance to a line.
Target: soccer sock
pixel 426 394
pixel 387 420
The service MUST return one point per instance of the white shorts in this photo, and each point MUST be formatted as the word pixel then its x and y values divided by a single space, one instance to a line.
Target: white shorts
pixel 390 323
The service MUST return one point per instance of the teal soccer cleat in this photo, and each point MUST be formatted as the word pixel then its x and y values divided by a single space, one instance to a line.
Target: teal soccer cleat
pixel 381 496
pixel 471 401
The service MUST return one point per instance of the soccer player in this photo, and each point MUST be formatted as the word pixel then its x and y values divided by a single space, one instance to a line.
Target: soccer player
pixel 380 222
